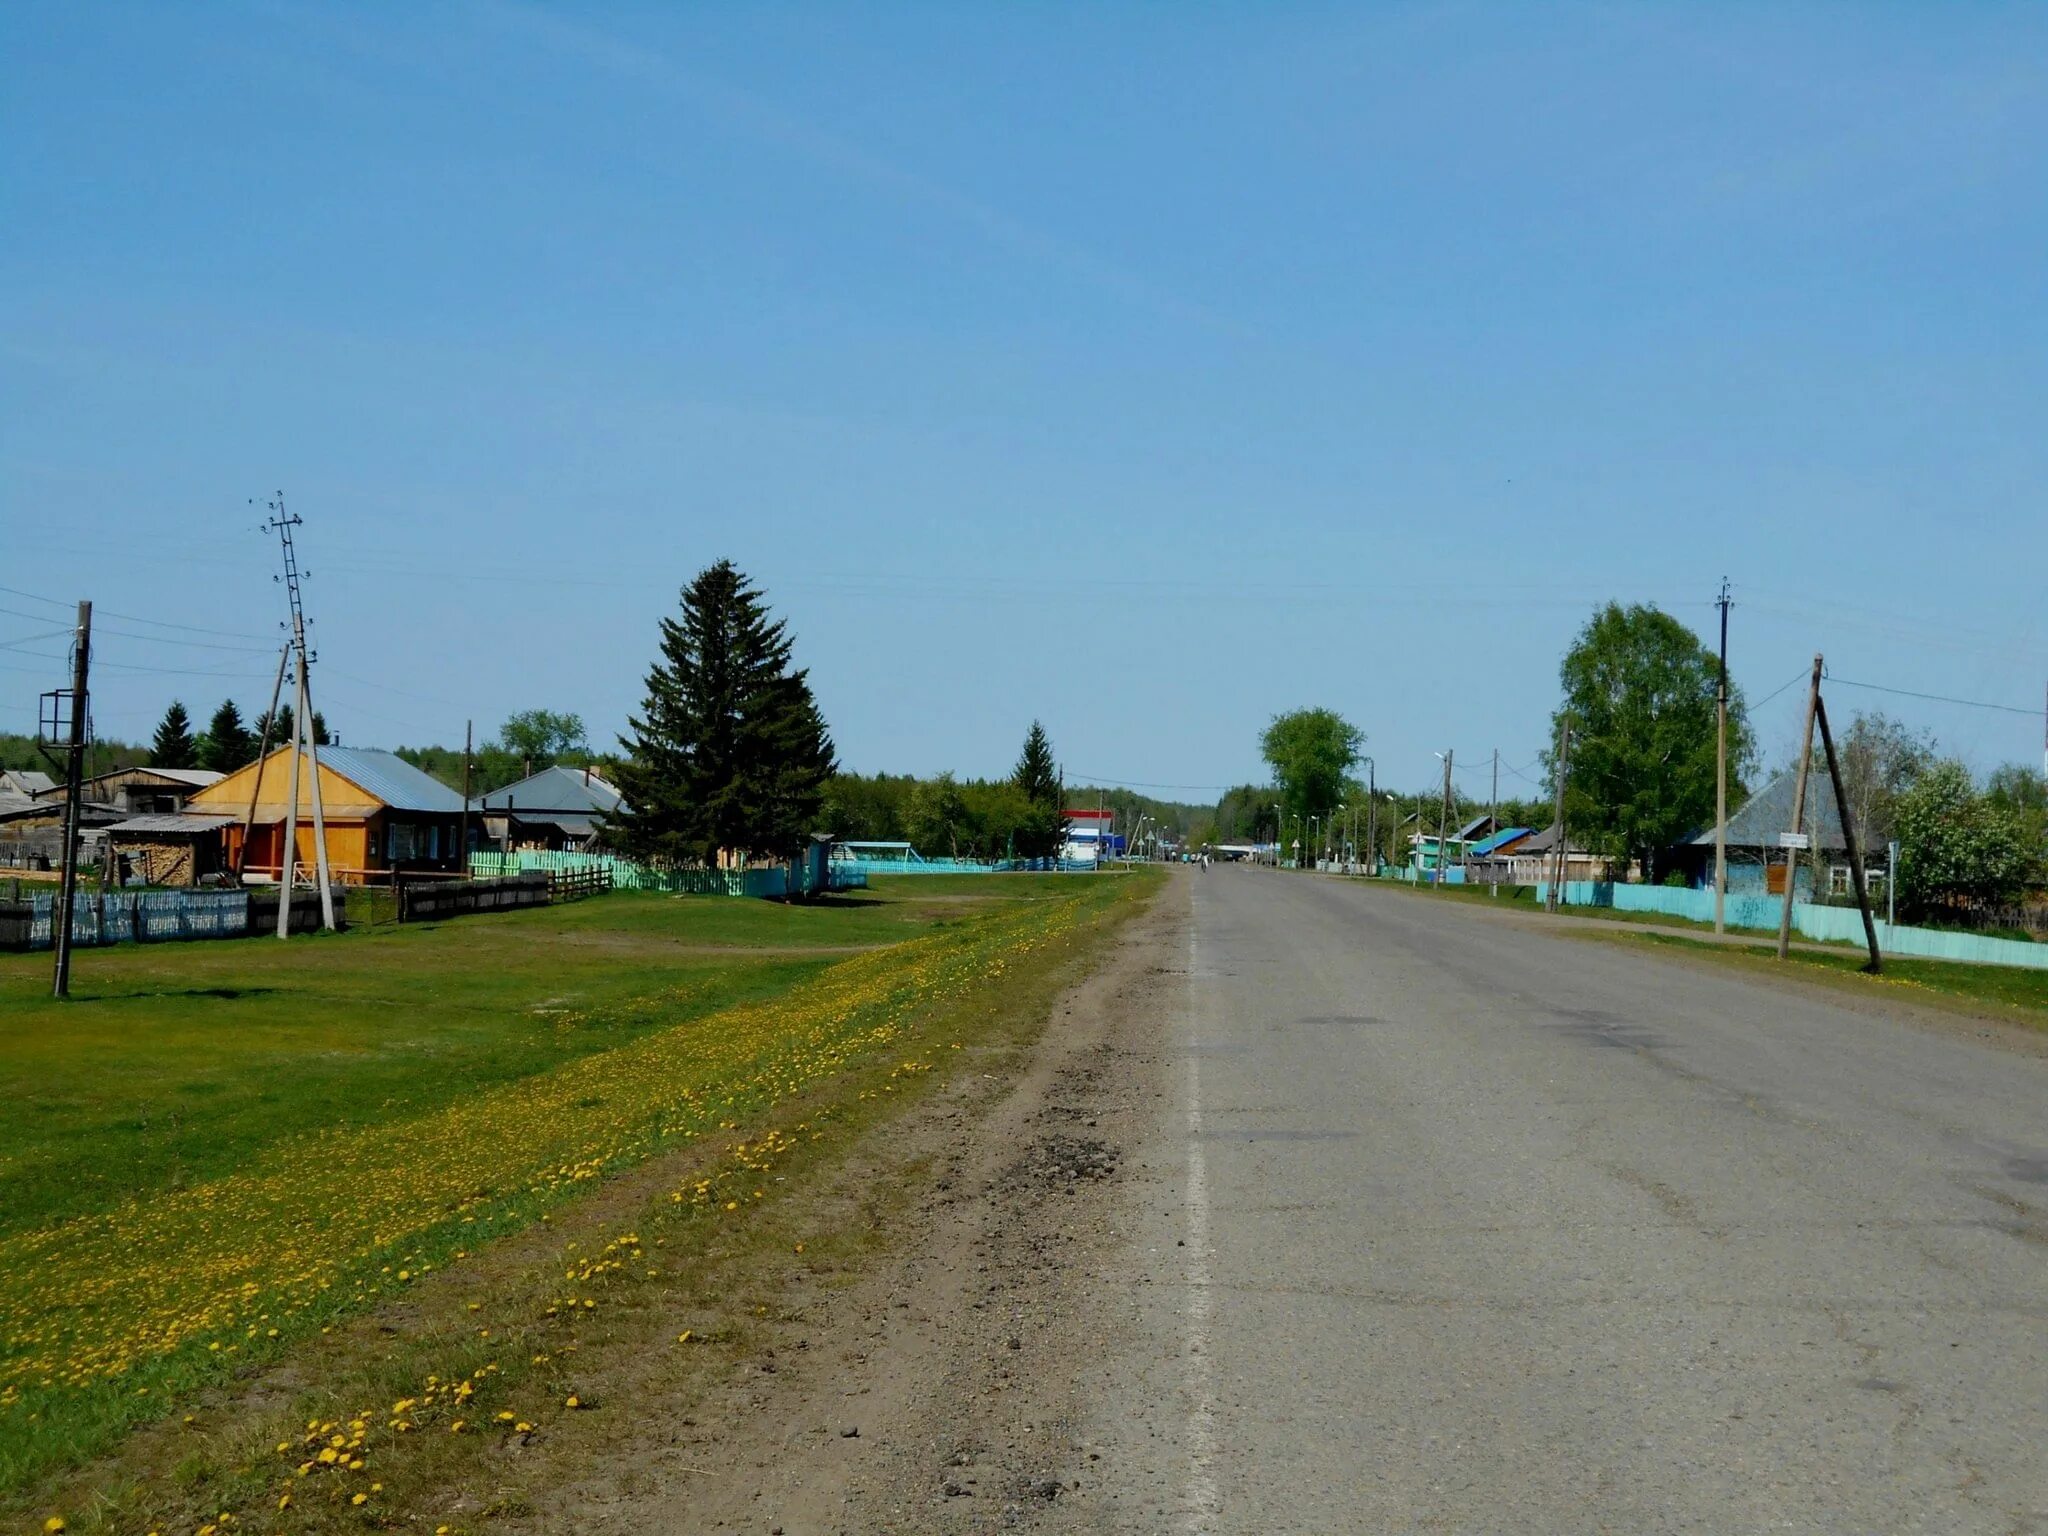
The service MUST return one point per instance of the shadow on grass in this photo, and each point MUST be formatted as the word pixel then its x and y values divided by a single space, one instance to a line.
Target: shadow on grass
pixel 153 995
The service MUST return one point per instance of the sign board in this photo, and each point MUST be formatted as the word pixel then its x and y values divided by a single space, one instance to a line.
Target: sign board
pixel 1794 840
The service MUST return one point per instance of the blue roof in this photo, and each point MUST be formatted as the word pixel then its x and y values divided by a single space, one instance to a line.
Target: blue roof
pixel 391 779
pixel 1504 835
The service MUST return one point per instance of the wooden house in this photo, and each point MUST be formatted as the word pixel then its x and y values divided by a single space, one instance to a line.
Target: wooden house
pixel 381 813
pixel 557 808
pixel 142 790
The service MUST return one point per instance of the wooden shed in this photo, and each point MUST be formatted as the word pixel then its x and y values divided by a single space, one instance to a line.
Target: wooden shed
pixel 381 813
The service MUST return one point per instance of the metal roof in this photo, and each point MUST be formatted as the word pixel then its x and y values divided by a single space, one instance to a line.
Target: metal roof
pixel 1546 841
pixel 1504 835
pixel 26 781
pixel 553 789
pixel 390 778
pixel 1768 812
pixel 174 821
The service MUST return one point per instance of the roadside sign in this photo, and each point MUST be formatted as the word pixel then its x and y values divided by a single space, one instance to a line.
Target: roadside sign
pixel 1794 840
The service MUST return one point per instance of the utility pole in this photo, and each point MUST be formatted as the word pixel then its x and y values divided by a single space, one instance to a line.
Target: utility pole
pixel 1827 741
pixel 1721 775
pixel 269 722
pixel 302 732
pixel 74 790
pixel 1564 757
pixel 1493 810
pixel 1443 820
pixel 1372 814
pixel 468 745
pixel 1798 814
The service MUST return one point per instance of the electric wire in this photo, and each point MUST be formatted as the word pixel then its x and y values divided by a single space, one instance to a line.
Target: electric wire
pixel 1935 698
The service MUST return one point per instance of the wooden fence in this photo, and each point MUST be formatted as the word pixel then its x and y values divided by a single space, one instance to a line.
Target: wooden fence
pixel 430 901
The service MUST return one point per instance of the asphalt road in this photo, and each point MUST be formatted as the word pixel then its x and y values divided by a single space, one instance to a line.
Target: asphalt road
pixel 1452 1225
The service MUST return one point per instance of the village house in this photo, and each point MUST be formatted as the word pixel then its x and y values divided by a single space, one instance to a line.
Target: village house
pixel 557 808
pixel 1533 860
pixel 1757 861
pixel 382 814
pixel 142 789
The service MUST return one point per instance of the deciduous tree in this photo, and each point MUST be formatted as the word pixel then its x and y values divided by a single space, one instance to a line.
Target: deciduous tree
pixel 1312 752
pixel 540 738
pixel 1639 687
pixel 1957 848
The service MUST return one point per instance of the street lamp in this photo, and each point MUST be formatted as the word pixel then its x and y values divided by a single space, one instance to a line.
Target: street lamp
pixel 1279 833
pixel 1340 813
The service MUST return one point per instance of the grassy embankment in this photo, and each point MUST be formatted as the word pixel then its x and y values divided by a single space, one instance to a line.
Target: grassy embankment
pixel 225 1157
pixel 2020 993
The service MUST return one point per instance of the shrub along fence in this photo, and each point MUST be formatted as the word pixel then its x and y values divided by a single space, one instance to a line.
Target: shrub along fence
pixel 151 917
pixel 1809 919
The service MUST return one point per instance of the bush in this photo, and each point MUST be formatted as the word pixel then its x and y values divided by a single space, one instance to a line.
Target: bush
pixel 1957 850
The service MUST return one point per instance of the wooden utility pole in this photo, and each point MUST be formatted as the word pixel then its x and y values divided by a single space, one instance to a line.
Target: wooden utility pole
pixel 1827 741
pixel 1493 810
pixel 1798 814
pixel 1721 776
pixel 1443 820
pixel 468 746
pixel 74 790
pixel 268 723
pixel 320 864
pixel 1564 758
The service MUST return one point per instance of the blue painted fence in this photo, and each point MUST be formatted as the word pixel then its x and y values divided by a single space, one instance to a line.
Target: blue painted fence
pixel 128 917
pixel 1826 925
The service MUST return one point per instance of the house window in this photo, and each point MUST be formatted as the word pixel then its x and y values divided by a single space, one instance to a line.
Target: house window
pixel 1839 883
pixel 401 841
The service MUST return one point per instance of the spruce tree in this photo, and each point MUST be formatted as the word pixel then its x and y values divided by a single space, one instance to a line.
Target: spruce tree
pixel 279 726
pixel 174 747
pixel 729 752
pixel 227 744
pixel 1040 833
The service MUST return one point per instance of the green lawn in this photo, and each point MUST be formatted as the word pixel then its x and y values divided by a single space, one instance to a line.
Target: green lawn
pixel 174 1063
pixel 2004 987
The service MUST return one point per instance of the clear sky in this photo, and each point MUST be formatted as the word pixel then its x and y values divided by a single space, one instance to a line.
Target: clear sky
pixel 1145 368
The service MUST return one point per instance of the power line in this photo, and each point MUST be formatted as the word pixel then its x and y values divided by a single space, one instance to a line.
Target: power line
pixel 1795 677
pixel 194 629
pixel 1936 698
pixel 1110 782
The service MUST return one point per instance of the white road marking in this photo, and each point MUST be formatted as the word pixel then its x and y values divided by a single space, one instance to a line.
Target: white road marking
pixel 1201 1503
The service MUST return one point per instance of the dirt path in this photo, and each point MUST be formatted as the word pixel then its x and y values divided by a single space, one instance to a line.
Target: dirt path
pixel 935 1390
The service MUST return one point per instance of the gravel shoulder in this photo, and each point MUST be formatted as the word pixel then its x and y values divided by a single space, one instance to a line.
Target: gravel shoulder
pixel 937 1385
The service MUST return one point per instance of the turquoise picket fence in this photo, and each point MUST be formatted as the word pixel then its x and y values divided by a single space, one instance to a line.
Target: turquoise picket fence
pixel 1826 925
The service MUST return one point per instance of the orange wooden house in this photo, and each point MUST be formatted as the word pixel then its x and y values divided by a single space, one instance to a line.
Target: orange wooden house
pixel 381 813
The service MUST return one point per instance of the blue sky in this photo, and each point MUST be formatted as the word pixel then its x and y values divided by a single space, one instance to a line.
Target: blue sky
pixel 1146 369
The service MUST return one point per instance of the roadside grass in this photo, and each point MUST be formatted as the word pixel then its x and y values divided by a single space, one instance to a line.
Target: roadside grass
pixel 396 1220
pixel 2008 990
pixel 2023 993
pixel 174 1063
